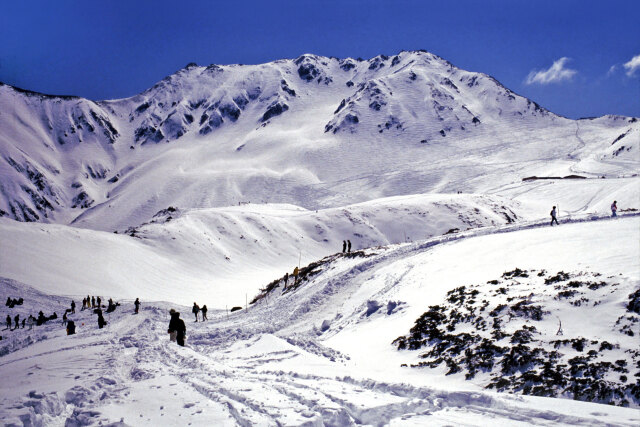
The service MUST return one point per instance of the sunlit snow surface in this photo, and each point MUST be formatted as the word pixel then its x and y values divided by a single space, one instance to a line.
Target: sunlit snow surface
pixel 189 192
pixel 275 363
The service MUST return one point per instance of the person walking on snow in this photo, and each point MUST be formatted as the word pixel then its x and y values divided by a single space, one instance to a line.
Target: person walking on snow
pixel 286 279
pixel 177 328
pixel 8 322
pixel 101 321
pixel 93 302
pixel 204 312
pixel 614 209
pixel 31 321
pixel 553 216
pixel 73 306
pixel 344 246
pixel 349 246
pixel 137 304
pixel 16 320
pixel 173 333
pixel 195 310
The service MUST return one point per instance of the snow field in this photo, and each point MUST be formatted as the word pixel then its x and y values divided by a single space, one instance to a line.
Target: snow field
pixel 274 364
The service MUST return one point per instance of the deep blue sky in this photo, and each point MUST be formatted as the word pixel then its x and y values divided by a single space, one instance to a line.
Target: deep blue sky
pixel 114 49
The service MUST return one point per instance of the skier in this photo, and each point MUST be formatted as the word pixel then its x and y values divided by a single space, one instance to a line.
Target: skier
pixel 16 320
pixel 204 312
pixel 195 310
pixel 137 304
pixel 344 246
pixel 349 246
pixel 614 209
pixel 553 216
pixel 8 322
pixel 73 306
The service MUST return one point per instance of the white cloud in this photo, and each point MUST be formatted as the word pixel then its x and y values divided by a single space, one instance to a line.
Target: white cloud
pixel 555 74
pixel 612 69
pixel 632 66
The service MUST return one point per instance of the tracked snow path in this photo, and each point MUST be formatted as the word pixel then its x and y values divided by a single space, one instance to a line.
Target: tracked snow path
pixel 275 365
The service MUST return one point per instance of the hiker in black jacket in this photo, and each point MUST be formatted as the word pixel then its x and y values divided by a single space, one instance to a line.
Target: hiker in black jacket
pixel 195 310
pixel 177 327
pixel 101 321
pixel 204 312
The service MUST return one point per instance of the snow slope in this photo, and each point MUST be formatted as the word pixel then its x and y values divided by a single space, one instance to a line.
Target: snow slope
pixel 319 353
pixel 314 132
pixel 224 255
pixel 213 183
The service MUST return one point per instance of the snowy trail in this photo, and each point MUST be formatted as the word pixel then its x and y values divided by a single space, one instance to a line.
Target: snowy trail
pixel 242 390
pixel 267 366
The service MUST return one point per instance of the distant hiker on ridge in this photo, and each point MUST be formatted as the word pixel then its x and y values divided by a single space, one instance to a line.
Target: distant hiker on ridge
pixel 137 304
pixel 349 246
pixel 295 276
pixel 286 279
pixel 195 310
pixel 614 209
pixel 553 216
pixel 344 246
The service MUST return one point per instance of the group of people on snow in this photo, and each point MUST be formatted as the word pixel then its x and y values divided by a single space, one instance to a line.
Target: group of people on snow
pixel 196 309
pixel 554 214
pixel 87 303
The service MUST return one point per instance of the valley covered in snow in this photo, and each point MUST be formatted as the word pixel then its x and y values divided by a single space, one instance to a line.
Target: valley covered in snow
pixel 457 303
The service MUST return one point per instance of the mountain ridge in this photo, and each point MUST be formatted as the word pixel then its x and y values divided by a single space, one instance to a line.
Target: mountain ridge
pixel 290 125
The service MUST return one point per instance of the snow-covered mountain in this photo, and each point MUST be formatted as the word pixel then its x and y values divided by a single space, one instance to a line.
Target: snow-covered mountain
pixel 315 132
pixel 218 180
